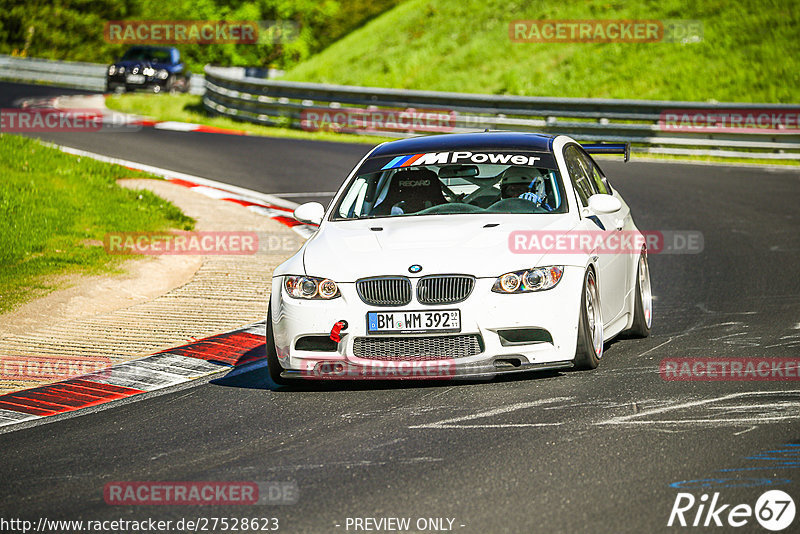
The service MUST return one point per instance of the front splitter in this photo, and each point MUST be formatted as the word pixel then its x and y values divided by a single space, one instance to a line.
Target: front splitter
pixel 397 371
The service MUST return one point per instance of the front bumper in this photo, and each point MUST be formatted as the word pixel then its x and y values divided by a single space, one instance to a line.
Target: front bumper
pixel 553 314
pixel 146 83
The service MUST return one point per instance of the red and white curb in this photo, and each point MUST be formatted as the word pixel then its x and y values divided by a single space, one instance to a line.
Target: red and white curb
pixel 278 213
pixel 242 348
pixel 118 119
pixel 38 103
pixel 191 127
pixel 238 350
pixel 151 373
pixel 270 206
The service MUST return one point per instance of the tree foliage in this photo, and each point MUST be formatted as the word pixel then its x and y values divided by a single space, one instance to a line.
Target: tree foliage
pixel 73 29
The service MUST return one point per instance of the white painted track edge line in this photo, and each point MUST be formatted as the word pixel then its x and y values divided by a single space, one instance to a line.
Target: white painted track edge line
pixel 692 404
pixel 489 413
pixel 264 197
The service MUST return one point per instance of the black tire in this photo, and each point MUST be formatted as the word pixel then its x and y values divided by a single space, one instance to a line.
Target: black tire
pixel 586 356
pixel 273 365
pixel 642 320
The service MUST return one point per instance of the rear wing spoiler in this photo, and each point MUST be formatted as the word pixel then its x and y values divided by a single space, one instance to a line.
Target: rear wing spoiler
pixel 609 148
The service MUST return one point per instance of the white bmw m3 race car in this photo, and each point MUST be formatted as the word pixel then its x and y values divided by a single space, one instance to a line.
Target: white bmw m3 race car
pixel 462 255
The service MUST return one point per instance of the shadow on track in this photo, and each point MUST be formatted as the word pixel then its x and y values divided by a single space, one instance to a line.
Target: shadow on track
pixel 256 376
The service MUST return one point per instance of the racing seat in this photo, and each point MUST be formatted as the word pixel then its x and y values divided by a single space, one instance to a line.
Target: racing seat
pixel 549 195
pixel 417 189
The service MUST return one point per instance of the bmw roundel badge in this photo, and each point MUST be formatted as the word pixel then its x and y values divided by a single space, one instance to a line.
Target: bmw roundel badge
pixel 415 268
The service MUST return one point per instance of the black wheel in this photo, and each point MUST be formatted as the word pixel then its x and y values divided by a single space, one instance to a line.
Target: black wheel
pixel 643 303
pixel 273 364
pixel 589 349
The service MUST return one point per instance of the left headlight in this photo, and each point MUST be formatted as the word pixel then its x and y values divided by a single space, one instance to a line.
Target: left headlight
pixel 112 69
pixel 536 279
pixel 310 287
pixel 162 74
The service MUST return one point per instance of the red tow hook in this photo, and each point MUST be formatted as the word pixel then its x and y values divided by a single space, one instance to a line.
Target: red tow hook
pixel 336 331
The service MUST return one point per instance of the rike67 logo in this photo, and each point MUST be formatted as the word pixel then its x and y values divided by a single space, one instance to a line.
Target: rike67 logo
pixel 774 510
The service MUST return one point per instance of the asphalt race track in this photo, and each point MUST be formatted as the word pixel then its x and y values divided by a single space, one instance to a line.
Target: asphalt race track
pixel 600 451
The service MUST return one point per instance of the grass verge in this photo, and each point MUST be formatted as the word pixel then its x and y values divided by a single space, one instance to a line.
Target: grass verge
pixel 749 52
pixel 56 208
pixel 639 156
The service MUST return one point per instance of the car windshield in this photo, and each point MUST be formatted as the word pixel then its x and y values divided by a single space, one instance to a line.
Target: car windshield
pixel 447 188
pixel 152 55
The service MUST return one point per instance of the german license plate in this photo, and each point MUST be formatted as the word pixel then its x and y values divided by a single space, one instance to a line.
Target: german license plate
pixel 413 321
pixel 134 78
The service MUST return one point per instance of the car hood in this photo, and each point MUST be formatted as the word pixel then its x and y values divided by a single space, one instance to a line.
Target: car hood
pixel 457 244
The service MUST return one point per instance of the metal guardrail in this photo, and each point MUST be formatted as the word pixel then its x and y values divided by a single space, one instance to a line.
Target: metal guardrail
pixel 73 74
pixel 230 92
pixel 278 103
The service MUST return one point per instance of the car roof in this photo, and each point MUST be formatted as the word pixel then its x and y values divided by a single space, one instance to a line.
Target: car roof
pixel 467 141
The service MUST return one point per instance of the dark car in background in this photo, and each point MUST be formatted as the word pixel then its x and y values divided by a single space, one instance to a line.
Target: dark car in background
pixel 152 68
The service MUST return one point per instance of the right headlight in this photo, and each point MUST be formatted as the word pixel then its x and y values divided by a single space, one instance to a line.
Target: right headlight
pixel 311 287
pixel 536 279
